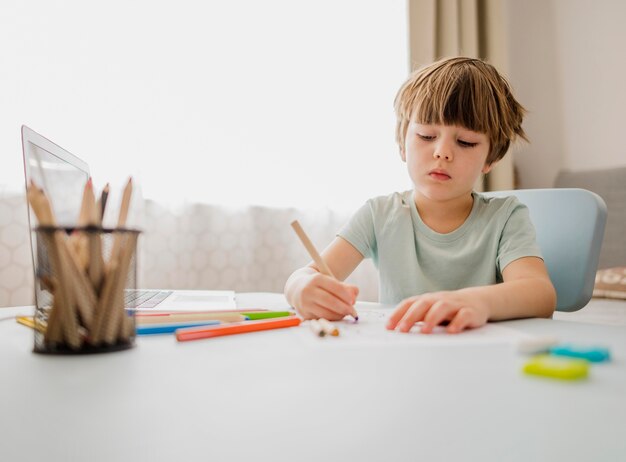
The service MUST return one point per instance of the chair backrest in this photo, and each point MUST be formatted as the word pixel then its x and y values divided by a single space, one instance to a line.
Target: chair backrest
pixel 570 227
pixel 610 185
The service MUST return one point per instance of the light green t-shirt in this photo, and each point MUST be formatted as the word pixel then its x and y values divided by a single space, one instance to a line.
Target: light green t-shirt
pixel 413 259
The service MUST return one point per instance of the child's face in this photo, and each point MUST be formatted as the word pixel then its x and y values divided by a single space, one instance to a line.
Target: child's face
pixel 444 161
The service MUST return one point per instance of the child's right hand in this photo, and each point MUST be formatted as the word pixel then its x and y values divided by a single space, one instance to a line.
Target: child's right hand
pixel 319 296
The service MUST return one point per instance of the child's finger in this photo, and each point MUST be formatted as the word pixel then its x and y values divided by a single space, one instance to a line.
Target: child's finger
pixel 332 303
pixel 344 292
pixel 415 313
pixel 322 312
pixel 439 312
pixel 347 293
pixel 354 290
pixel 461 321
pixel 399 312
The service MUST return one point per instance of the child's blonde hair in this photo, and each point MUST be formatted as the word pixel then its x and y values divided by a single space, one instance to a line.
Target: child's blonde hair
pixel 461 91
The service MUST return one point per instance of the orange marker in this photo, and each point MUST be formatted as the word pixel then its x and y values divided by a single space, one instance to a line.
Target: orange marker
pixel 196 333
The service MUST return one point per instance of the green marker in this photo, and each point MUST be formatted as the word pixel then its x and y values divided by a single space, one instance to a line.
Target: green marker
pixel 267 314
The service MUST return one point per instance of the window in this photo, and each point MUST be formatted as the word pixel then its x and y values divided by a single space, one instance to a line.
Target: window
pixel 273 102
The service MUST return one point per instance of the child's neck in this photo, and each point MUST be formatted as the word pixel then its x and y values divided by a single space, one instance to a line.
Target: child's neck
pixel 444 217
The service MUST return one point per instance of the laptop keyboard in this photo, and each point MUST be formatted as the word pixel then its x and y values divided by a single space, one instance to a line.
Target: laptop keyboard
pixel 144 298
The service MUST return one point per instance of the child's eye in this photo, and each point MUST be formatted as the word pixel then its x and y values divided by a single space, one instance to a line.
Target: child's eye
pixel 426 137
pixel 466 144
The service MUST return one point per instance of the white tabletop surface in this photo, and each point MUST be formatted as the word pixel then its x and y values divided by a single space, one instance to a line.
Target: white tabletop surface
pixel 285 395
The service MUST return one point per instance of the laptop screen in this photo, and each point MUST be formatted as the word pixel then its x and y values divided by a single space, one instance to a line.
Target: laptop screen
pixel 61 175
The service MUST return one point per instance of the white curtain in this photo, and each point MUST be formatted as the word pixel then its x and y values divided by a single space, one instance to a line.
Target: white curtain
pixel 246 249
pixel 193 246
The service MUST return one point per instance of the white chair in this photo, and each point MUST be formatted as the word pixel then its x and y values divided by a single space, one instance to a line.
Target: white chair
pixel 570 228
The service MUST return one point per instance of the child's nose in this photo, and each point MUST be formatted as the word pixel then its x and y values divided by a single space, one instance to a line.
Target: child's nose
pixel 442 154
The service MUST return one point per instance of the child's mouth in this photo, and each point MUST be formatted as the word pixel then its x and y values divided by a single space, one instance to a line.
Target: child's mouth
pixel 439 175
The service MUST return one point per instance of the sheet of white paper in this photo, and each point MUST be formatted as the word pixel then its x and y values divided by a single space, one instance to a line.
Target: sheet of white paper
pixel 370 330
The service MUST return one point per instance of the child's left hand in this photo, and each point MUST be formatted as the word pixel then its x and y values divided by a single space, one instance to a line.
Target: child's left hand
pixel 462 312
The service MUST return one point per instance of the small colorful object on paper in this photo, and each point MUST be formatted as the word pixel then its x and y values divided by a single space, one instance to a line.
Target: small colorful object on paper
pixel 557 367
pixel 595 354
pixel 317 328
pixel 328 327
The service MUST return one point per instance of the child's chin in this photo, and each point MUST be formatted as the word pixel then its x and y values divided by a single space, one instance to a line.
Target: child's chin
pixel 440 193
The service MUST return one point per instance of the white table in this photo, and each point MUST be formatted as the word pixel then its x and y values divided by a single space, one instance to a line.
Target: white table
pixel 284 395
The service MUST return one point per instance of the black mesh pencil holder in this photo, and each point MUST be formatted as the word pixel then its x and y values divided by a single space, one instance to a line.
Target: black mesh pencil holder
pixel 83 275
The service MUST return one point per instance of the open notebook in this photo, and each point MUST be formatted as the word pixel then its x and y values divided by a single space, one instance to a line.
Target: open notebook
pixel 63 176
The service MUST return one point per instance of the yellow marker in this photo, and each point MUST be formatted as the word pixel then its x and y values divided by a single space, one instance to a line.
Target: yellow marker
pixel 556 367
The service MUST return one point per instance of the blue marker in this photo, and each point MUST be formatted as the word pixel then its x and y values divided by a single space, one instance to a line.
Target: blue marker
pixel 171 328
pixel 592 354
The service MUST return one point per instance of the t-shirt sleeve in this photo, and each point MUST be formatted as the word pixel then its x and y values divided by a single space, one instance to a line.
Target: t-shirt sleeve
pixel 359 231
pixel 518 237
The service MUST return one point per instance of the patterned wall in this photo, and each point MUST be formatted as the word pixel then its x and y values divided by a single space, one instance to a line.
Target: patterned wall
pixel 194 247
pixel 16 268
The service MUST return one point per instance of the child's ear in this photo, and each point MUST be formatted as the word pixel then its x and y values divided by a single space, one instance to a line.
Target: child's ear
pixel 487 167
pixel 402 155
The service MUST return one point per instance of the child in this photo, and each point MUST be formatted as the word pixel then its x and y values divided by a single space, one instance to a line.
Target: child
pixel 444 252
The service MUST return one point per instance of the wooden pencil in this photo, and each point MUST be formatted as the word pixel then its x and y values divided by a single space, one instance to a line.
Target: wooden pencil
pixel 329 327
pixel 78 239
pixel 113 324
pixel 62 315
pixel 148 319
pixel 308 245
pixel 125 205
pixel 316 327
pixel 123 326
pixel 53 333
pixel 83 293
pixel 83 215
pixel 109 301
pixel 106 318
pixel 102 202
pixel 127 329
pixel 95 267
pixel 102 306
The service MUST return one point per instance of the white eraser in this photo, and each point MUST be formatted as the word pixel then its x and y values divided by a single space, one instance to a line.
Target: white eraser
pixel 534 345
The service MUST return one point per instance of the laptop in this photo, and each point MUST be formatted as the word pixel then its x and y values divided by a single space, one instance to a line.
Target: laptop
pixel 62 176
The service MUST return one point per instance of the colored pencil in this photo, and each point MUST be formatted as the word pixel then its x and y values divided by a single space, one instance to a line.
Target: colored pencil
pixel 329 327
pixel 28 321
pixel 308 245
pixel 196 333
pixel 254 315
pixel 171 328
pixel 316 327
pixel 102 203
pixel 146 319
